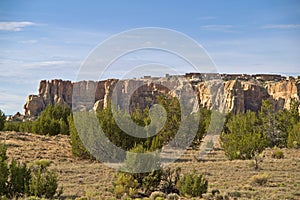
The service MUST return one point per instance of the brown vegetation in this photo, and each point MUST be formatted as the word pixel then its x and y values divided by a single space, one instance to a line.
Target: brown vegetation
pixel 94 180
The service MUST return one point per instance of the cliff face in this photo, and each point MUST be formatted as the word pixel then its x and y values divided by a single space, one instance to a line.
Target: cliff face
pixel 230 95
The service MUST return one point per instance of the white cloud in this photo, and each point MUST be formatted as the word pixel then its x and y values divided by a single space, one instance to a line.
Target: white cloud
pixel 281 26
pixel 29 41
pixel 49 63
pixel 222 28
pixel 14 26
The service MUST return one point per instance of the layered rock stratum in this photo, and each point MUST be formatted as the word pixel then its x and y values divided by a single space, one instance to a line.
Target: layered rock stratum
pixel 230 93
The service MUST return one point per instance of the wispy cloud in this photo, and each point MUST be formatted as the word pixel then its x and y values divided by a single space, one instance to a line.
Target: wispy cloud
pixel 14 26
pixel 221 28
pixel 50 63
pixel 281 26
pixel 29 41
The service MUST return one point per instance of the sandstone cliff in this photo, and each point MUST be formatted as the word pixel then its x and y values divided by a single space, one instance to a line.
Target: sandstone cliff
pixel 229 95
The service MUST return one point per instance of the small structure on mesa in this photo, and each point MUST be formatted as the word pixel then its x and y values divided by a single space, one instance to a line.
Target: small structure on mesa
pixel 268 77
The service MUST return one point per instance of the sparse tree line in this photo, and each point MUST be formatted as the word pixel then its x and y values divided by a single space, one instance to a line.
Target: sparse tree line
pixel 244 136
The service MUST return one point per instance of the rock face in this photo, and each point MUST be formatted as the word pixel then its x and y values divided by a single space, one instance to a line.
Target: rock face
pixel 235 95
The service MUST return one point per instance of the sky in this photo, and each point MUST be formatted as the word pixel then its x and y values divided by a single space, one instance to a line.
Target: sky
pixel 50 39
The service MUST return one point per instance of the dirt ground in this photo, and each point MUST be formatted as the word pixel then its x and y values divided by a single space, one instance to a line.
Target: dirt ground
pixel 91 179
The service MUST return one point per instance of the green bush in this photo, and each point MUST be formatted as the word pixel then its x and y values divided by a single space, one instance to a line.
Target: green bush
pixel 278 154
pixel 52 121
pixel 293 140
pixel 4 170
pixel 192 185
pixel 2 120
pixel 242 139
pixel 43 182
pixel 125 183
pixel 12 126
pixel 146 180
pixel 18 180
pixel 77 147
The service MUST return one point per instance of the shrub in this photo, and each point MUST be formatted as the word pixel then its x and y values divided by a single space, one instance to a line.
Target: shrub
pixel 259 179
pixel 3 150
pixel 173 196
pixel 192 185
pixel 18 179
pixel 12 126
pixel 278 154
pixel 53 120
pixel 43 181
pixel 77 146
pixel 2 120
pixel 141 174
pixel 169 180
pixel 293 140
pixel 4 170
pixel 241 139
pixel 125 183
pixel 157 195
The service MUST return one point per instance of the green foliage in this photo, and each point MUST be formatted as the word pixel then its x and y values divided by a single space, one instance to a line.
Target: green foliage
pixel 43 182
pixel 277 153
pixel 142 174
pixel 269 124
pixel 78 148
pixel 53 120
pixel 3 150
pixel 18 126
pixel 2 120
pixel 293 140
pixel 147 164
pixel 18 180
pixel 192 185
pixel 125 183
pixel 242 139
pixel 4 170
pixel 12 126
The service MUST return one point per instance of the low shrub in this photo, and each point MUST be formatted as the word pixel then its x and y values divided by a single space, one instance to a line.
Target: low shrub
pixel 19 180
pixel 259 179
pixel 145 182
pixel 169 180
pixel 293 140
pixel 43 182
pixel 278 154
pixel 193 185
pixel 19 177
pixel 157 195
pixel 125 183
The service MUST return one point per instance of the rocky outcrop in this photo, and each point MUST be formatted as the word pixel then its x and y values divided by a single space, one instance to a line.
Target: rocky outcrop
pixel 228 95
pixel 283 91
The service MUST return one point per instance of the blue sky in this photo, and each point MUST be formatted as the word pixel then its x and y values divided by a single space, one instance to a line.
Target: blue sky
pixel 50 39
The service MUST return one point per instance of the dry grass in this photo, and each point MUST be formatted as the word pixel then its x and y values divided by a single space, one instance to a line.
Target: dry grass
pixel 92 179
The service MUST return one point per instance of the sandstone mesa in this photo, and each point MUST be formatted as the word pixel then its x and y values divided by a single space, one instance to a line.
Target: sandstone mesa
pixel 235 92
